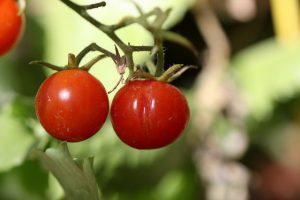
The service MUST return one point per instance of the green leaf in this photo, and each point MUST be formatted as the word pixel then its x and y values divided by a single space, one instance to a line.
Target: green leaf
pixel 267 73
pixel 15 141
pixel 75 176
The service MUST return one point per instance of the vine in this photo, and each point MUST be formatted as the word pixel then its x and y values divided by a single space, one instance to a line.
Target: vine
pixel 155 28
pixel 75 176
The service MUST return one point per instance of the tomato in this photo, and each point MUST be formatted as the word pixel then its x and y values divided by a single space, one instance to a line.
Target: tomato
pixel 148 114
pixel 11 25
pixel 72 105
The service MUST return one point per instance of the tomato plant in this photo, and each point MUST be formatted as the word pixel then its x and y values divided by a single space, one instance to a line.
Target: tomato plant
pixel 148 114
pixel 72 105
pixel 11 25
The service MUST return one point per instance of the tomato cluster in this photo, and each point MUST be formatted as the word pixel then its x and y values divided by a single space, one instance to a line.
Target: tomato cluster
pixel 11 25
pixel 72 106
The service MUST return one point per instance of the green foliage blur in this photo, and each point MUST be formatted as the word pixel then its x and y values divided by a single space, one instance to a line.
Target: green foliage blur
pixel 267 73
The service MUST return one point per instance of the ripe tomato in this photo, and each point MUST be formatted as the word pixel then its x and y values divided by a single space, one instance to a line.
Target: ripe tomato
pixel 72 105
pixel 149 114
pixel 11 25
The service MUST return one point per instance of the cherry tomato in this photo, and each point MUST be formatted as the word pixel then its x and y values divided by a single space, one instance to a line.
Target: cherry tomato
pixel 149 114
pixel 11 25
pixel 72 105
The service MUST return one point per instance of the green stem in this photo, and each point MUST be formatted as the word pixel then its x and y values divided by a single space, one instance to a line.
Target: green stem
pixel 179 39
pixel 160 57
pixel 110 32
pixel 132 20
pixel 89 65
pixel 82 11
pixel 93 47
pixel 95 5
pixel 141 48
pixel 160 19
pixel 155 28
pixel 130 63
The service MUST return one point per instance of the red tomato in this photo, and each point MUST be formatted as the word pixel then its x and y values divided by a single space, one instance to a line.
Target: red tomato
pixel 72 105
pixel 148 114
pixel 11 25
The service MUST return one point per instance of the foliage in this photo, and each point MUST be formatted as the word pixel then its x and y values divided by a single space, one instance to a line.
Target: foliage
pixel 267 73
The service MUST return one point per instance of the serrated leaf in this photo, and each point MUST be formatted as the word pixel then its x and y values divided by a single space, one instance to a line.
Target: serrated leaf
pixel 76 177
pixel 267 73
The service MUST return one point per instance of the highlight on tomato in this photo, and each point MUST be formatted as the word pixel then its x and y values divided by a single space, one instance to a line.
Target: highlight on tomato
pixel 72 105
pixel 149 114
pixel 11 25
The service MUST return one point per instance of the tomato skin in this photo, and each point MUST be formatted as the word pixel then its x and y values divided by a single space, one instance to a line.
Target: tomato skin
pixel 72 105
pixel 11 25
pixel 149 114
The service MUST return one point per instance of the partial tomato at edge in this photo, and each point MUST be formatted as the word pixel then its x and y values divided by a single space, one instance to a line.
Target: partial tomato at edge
pixel 72 105
pixel 149 114
pixel 11 25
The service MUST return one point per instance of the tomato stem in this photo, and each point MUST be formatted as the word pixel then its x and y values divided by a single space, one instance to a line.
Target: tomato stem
pixel 155 28
pixel 179 39
pixel 88 65
pixel 118 83
pixel 160 57
pixel 110 31
pixel 72 64
pixel 94 47
pixel 95 5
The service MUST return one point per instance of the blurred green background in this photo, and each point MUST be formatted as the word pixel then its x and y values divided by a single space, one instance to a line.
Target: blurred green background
pixel 266 72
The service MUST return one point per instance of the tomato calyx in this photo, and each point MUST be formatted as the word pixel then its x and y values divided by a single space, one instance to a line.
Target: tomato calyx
pixel 169 75
pixel 174 72
pixel 140 74
pixel 72 63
